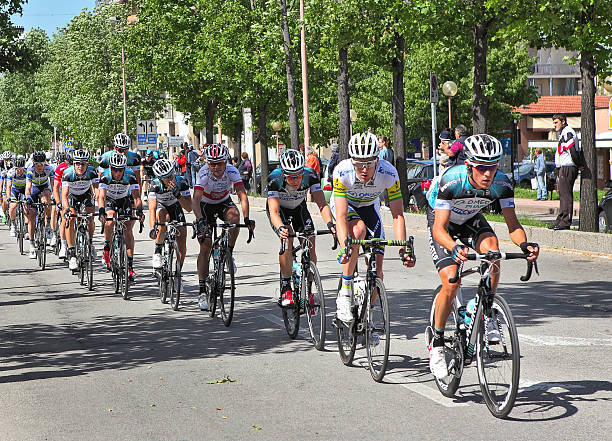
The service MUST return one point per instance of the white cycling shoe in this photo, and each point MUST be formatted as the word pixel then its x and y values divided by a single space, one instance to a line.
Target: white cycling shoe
pixel 72 264
pixel 157 260
pixel 343 308
pixel 493 335
pixel 13 231
pixel 437 361
pixel 32 253
pixel 53 240
pixel 63 252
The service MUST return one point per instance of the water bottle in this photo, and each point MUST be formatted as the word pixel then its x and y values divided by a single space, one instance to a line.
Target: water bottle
pixel 359 290
pixel 470 310
pixel 216 256
pixel 296 270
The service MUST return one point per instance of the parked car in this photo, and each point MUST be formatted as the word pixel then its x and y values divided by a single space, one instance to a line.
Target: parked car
pixel 272 165
pixel 418 176
pixel 605 210
pixel 523 172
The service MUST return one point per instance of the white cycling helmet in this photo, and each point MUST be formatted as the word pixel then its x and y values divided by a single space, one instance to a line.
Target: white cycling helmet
pixel 122 141
pixel 163 168
pixel 80 155
pixel 49 156
pixel 483 148
pixel 216 153
pixel 363 145
pixel 118 160
pixel 292 163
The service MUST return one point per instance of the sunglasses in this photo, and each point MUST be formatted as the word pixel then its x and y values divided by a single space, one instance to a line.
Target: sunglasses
pixel 117 169
pixel 81 163
pixel 39 164
pixel 484 168
pixel 364 164
pixel 215 164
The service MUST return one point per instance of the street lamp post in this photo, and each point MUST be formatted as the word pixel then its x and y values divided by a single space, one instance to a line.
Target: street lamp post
pixel 277 127
pixel 450 90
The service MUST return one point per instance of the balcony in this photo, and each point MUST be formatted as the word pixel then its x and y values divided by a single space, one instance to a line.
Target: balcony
pixel 555 69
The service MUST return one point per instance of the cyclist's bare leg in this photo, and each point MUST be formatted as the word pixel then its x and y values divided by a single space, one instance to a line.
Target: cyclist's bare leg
pixel 203 258
pixel 109 226
pixel 70 237
pixel 13 210
pixel 90 221
pixel 128 234
pixel 46 198
pixel 444 301
pixel 232 216
pixel 31 215
pixel 181 242
pixel 286 260
pixel 313 249
pixel 488 242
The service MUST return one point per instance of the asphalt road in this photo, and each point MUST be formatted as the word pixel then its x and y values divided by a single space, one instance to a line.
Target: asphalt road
pixel 80 365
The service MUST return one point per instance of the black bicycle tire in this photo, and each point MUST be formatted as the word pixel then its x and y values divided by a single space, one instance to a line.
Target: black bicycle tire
pixel 379 374
pixel 125 268
pixel 212 283
pixel 20 229
pixel 347 354
pixel 162 275
pixel 291 314
pixel 508 403
pixel 114 265
pixel 446 388
pixel 175 296
pixel 38 244
pixel 319 301
pixel 227 315
pixel 81 250
pixel 43 244
pixel 89 264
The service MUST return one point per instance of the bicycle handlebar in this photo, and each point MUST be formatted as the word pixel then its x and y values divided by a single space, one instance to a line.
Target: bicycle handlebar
pixel 177 225
pixel 306 234
pixel 121 219
pixel 409 244
pixel 228 226
pixel 497 255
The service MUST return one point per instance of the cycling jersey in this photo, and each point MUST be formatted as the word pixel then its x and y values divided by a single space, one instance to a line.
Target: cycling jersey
pixel 16 180
pixel 40 179
pixel 133 160
pixel 287 197
pixel 361 194
pixel 118 189
pixel 79 185
pixel 148 166
pixel 164 195
pixel 59 171
pixel 215 190
pixel 453 191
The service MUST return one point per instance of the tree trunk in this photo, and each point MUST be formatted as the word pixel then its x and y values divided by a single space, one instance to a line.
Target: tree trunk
pixel 399 119
pixel 294 126
pixel 344 104
pixel 210 121
pixel 238 136
pixel 588 180
pixel 262 116
pixel 480 103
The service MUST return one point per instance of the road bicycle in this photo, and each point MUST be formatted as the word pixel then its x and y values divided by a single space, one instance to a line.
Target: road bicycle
pixel 220 282
pixel 83 249
pixel 304 277
pixel 370 309
pixel 56 232
pixel 169 276
pixel 118 253
pixel 40 233
pixel 20 225
pixel 497 358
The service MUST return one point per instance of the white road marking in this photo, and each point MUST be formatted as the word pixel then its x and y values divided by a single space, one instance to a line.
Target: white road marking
pixel 550 386
pixel 279 321
pixel 550 340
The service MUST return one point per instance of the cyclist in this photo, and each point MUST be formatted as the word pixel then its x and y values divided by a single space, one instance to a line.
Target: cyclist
pixel 6 166
pixel 146 170
pixel 59 160
pixel 116 186
pixel 286 190
pixel 57 195
pixel 79 183
pixel 16 183
pixel 169 194
pixel 453 212
pixel 211 197
pixel 38 189
pixel 355 204
pixel 122 144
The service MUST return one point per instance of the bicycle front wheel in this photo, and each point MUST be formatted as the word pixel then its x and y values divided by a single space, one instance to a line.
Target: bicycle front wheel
pixel 346 337
pixel 81 250
pixel 378 331
pixel 115 266
pixel 124 268
pixel 228 292
pixel 20 231
pixel 291 313
pixel 498 359
pixel 315 305
pixel 89 261
pixel 175 277
pixel 453 351
pixel 212 281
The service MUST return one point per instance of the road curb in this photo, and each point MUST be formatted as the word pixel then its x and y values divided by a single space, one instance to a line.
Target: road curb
pixel 564 239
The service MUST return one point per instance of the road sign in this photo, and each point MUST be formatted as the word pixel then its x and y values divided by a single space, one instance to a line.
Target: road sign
pixel 146 132
pixel 433 88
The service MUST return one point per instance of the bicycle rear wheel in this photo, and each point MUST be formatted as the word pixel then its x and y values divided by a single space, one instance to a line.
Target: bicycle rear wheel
pixel 314 305
pixel 228 292
pixel 20 229
pixel 89 262
pixel 41 244
pixel 115 265
pixel 499 362
pixel 346 337
pixel 162 282
pixel 378 331
pixel 124 268
pixel 291 313
pixel 453 350
pixel 175 277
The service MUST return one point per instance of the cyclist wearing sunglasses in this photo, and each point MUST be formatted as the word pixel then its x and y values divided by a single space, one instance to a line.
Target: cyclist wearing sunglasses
pixel 355 204
pixel 116 186
pixel 57 195
pixel 453 212
pixel 287 189
pixel 38 189
pixel 15 188
pixel 122 144
pixel 79 183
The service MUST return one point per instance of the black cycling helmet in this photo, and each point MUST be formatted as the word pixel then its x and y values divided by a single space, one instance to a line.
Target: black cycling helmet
pixel 39 157
pixel 20 162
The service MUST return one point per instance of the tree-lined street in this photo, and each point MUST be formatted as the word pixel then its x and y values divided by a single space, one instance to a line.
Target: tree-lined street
pixel 78 364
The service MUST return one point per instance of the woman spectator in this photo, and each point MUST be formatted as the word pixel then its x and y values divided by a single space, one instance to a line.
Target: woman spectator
pixel 246 170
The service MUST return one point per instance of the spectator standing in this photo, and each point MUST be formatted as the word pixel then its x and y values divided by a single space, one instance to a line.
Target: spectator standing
pixel 182 161
pixel 192 165
pixel 312 160
pixel 235 161
pixel 540 172
pixel 333 161
pixel 566 156
pixel 456 147
pixel 447 159
pixel 246 170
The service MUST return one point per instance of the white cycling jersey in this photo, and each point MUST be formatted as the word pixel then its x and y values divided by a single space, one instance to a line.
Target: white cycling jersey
pixel 215 191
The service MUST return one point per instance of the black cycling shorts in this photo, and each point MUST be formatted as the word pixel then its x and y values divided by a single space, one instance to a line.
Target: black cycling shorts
pixel 175 211
pixel 300 217
pixel 219 209
pixel 37 191
pixel 468 233
pixel 80 201
pixel 122 206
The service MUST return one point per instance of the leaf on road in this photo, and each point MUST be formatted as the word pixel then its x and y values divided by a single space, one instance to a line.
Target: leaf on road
pixel 193 407
pixel 219 408
pixel 110 410
pixel 161 378
pixel 225 379
pixel 152 405
pixel 224 417
pixel 256 427
pixel 130 380
pixel 149 367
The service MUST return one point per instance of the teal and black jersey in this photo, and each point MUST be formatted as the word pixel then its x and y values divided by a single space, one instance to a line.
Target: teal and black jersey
pixel 288 198
pixel 118 189
pixel 453 191
pixel 79 184
pixel 133 160
pixel 164 195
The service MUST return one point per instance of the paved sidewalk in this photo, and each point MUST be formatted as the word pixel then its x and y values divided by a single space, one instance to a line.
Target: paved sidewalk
pixel 530 206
